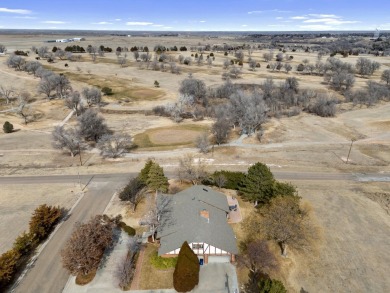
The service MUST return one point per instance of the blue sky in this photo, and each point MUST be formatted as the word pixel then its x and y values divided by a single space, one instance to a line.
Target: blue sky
pixel 200 15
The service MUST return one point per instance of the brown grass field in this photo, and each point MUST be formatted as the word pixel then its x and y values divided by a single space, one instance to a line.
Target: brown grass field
pixel 354 216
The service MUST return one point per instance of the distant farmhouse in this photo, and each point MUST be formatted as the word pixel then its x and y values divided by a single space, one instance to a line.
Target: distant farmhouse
pixel 66 40
pixel 199 216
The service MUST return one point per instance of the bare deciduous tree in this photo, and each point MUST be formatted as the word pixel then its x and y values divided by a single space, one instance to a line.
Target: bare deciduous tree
pixel 93 96
pixel 73 101
pixel 32 67
pixel 15 61
pixel 114 145
pixel 287 223
pixel 66 139
pixel 202 143
pixel 258 258
pixel 386 76
pixel 6 93
pixel 126 268
pixel 191 169
pixel 24 109
pixel 84 249
pixel 92 126
pixel 159 213
pixel 194 87
pixel 221 131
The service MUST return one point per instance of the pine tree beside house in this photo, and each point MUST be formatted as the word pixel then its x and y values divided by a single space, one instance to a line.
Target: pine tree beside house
pixel 186 274
pixel 156 178
pixel 258 184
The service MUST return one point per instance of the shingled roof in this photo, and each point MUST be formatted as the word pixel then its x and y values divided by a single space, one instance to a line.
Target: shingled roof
pixel 198 215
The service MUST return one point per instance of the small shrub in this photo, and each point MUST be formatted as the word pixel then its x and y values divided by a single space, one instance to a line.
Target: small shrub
pixel 233 179
pixel 156 83
pixel 324 106
pixel 129 230
pixel 8 127
pixel 107 91
pixel 162 263
pixel 300 67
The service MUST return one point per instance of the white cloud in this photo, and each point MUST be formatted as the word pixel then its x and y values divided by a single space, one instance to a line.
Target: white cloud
pixel 54 21
pixel 279 18
pixel 318 27
pixel 276 25
pixel 167 27
pixel 25 17
pixel 118 19
pixel 202 21
pixel 244 25
pixel 139 23
pixel 329 21
pixel 324 15
pixel 158 25
pixel 265 11
pixel 298 17
pixel 102 22
pixel 17 11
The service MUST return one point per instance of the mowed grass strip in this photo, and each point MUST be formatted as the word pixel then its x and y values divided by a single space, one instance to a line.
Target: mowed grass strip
pixel 166 138
pixel 151 277
pixel 121 88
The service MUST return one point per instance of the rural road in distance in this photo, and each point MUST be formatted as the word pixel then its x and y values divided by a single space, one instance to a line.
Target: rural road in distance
pixel 113 177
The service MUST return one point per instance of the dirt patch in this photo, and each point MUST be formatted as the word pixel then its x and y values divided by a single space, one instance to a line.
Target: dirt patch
pixel 173 136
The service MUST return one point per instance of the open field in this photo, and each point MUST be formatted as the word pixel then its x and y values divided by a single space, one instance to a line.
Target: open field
pixel 17 204
pixel 354 216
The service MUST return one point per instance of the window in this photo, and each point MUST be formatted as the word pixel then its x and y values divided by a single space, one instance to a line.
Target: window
pixel 197 245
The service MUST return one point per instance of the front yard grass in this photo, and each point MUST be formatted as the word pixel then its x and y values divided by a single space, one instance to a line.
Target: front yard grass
pixel 151 277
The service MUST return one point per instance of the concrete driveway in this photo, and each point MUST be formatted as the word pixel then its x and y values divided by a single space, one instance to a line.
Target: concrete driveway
pixel 217 278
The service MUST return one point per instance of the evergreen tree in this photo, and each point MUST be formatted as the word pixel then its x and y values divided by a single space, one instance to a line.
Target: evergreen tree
pixel 156 178
pixel 284 189
pixel 43 221
pixel 8 127
pixel 8 264
pixel 258 184
pixel 271 286
pixel 144 174
pixel 186 274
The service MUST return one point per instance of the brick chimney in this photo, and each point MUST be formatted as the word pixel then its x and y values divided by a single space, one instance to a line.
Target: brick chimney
pixel 205 214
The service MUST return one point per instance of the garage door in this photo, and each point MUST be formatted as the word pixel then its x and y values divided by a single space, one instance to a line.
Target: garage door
pixel 218 258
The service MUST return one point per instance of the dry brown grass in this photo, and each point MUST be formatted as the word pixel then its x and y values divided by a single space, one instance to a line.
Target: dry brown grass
pixel 152 278
pixel 169 137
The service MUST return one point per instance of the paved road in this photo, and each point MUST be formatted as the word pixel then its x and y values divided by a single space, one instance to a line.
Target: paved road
pixel 114 177
pixel 47 275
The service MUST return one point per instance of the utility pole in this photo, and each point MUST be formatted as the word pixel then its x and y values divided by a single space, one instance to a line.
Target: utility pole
pixel 350 148
pixel 81 161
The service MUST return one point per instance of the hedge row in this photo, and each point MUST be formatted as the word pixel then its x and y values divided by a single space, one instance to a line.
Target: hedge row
pixel 43 221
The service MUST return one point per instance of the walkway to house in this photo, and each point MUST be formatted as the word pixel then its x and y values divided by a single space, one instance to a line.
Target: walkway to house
pixel 138 268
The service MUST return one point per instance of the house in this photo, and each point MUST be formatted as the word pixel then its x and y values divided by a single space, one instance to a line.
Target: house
pixel 199 216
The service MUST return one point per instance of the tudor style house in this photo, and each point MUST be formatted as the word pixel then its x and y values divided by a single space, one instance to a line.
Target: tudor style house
pixel 199 216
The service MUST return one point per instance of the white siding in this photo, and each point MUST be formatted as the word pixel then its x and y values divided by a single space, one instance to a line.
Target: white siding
pixel 207 249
